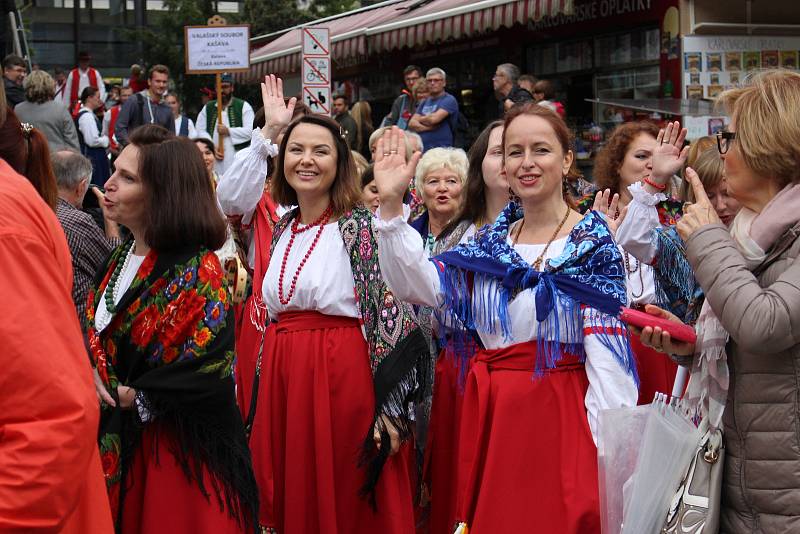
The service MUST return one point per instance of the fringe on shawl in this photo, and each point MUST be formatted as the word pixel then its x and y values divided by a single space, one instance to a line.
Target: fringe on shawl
pixel 196 443
pixel 404 368
pixel 676 287
pixel 479 302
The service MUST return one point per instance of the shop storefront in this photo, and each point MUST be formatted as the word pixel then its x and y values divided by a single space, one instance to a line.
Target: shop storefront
pixel 371 47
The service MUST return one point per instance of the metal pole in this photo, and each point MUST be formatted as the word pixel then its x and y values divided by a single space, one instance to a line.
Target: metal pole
pixel 15 34
pixel 221 141
pixel 76 22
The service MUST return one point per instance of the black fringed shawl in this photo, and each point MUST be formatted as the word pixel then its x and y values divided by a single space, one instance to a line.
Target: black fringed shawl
pixel 397 348
pixel 172 339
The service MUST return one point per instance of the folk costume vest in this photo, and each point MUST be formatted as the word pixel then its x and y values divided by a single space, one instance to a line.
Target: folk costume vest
pixel 397 347
pixel 234 118
pixel 76 83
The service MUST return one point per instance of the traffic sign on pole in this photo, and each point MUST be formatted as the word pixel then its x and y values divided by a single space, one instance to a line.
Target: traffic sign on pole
pixel 316 41
pixel 318 99
pixel 317 69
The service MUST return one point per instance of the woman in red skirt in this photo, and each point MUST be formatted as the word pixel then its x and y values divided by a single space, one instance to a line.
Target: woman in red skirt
pixel 486 195
pixel 340 361
pixel 160 330
pixel 538 293
pixel 627 159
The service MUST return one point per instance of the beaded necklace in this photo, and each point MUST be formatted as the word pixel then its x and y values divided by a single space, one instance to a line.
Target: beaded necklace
pixel 111 288
pixel 537 264
pixel 295 228
pixel 630 271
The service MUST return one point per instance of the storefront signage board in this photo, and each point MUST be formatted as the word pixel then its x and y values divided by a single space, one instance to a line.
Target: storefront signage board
pixel 712 63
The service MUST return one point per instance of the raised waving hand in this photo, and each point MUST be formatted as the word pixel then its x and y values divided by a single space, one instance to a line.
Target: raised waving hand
pixel 277 112
pixel 393 172
pixel 608 206
pixel 670 154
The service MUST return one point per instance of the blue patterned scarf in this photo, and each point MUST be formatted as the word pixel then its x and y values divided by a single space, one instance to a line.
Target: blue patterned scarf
pixel 480 278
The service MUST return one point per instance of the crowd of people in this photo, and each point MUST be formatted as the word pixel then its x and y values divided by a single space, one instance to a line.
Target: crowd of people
pixel 294 323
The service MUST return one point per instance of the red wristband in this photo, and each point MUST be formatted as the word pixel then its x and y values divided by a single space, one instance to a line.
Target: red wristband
pixel 653 184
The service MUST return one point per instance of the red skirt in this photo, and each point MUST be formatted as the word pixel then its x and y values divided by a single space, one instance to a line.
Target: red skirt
pixel 656 371
pixel 527 462
pixel 160 499
pixel 441 448
pixel 248 341
pixel 318 403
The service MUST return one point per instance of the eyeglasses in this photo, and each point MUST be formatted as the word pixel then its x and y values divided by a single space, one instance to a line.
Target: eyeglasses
pixel 722 141
pixel 435 80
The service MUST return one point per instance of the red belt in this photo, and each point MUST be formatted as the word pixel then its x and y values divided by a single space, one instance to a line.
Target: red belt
pixel 296 321
pixel 517 357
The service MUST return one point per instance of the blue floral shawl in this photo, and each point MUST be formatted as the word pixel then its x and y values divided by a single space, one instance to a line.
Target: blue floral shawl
pixel 480 278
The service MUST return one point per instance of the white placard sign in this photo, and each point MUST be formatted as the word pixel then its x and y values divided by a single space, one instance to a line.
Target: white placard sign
pixel 211 49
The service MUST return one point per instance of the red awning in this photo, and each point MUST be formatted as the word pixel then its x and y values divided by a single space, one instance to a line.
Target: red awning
pixel 405 23
pixel 348 39
pixel 455 19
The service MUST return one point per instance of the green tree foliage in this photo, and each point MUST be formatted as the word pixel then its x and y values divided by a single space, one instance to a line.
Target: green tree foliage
pixel 267 16
pixel 162 42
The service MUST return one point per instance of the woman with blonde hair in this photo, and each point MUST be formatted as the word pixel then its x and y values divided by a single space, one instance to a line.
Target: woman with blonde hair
pixel 42 111
pixel 362 115
pixel 744 371
pixel 440 179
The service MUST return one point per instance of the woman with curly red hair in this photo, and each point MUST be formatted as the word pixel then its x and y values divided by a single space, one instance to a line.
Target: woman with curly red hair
pixel 627 159
pixel 160 329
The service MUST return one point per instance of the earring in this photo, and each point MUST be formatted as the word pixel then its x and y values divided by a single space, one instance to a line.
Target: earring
pixel 512 196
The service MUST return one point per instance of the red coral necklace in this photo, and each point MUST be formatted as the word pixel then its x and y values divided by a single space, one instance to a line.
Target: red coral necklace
pixel 295 228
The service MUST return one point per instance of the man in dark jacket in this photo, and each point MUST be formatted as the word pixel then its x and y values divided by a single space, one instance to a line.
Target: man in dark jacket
pixel 404 105
pixel 345 120
pixel 146 107
pixel 505 85
pixel 14 71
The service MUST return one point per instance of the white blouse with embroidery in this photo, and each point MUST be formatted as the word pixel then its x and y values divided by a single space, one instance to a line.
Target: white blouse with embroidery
pixel 413 278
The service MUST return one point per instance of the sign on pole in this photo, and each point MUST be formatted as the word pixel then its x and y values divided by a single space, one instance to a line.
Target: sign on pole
pixel 317 69
pixel 213 49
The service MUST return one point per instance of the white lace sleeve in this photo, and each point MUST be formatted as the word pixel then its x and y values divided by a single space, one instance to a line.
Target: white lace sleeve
pixel 610 386
pixel 406 268
pixel 635 232
pixel 241 187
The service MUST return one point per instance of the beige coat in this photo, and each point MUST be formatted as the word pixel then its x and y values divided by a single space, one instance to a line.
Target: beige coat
pixel 761 311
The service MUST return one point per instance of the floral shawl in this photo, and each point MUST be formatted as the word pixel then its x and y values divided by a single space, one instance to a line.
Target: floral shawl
pixel 480 278
pixel 171 339
pixel 397 347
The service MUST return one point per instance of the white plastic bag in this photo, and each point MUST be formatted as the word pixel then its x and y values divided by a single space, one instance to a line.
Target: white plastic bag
pixel 618 445
pixel 666 450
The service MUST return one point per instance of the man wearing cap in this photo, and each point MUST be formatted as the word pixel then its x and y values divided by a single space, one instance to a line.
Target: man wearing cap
pixel 79 79
pixel 236 127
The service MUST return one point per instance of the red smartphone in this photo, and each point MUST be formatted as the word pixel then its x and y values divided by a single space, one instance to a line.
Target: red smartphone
pixel 640 319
